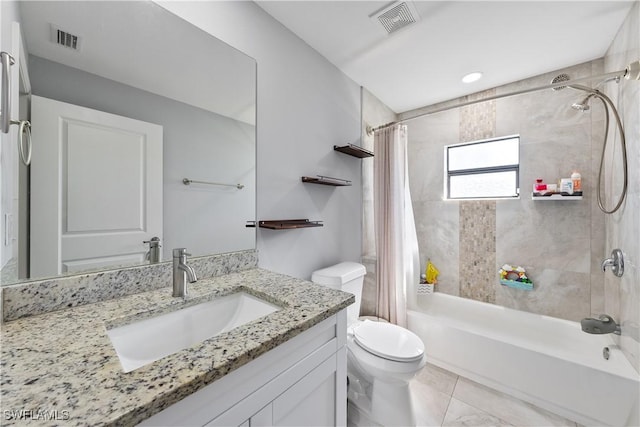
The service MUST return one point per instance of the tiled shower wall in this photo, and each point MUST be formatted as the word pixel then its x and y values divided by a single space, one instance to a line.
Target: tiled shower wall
pixel 622 295
pixel 559 243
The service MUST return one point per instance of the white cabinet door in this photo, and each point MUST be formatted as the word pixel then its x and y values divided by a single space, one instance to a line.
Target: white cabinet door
pixel 262 418
pixel 96 188
pixel 311 401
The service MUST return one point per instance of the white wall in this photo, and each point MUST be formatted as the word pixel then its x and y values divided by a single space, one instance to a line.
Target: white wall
pixel 305 106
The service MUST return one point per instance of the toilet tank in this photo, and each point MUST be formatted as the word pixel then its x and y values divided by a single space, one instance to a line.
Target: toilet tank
pixel 346 276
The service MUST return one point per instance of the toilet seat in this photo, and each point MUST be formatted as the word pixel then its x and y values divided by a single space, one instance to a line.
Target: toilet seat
pixel 388 341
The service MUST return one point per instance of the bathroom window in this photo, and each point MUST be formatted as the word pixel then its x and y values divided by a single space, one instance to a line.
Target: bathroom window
pixel 486 169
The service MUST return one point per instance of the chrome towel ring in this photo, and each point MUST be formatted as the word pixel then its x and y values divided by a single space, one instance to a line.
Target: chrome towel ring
pixel 25 129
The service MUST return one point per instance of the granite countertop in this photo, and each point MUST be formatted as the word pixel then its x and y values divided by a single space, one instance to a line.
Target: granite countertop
pixel 62 364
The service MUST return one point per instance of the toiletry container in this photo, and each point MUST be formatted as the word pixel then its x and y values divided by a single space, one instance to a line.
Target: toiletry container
pixel 566 186
pixel 539 187
pixel 576 179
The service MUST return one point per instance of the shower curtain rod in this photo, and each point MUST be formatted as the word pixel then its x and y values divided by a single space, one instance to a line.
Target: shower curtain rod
pixel 615 75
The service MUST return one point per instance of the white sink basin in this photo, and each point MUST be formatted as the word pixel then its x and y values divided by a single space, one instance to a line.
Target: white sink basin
pixel 148 340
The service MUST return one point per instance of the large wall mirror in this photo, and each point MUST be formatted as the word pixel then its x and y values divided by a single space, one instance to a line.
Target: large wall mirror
pixel 127 101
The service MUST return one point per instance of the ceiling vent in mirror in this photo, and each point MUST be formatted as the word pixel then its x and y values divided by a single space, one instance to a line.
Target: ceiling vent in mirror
pixel 64 38
pixel 395 16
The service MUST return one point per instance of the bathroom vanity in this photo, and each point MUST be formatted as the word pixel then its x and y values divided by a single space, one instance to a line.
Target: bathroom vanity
pixel 288 367
pixel 301 382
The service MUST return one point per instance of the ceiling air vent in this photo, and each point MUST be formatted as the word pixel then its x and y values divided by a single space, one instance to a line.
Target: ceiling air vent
pixel 64 38
pixel 397 15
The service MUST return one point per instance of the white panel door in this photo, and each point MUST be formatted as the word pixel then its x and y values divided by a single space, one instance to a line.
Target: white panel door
pixel 96 188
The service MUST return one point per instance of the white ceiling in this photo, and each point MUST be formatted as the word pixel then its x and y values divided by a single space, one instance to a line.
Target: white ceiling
pixel 423 63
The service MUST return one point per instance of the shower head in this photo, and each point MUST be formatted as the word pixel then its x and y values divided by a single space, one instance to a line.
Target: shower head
pixel 558 79
pixel 581 106
pixel 584 105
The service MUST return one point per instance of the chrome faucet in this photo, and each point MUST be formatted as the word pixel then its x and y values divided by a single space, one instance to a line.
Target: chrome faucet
pixel 182 271
pixel 153 256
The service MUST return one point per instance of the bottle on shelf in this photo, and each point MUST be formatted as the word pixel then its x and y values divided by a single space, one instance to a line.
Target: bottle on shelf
pixel 539 187
pixel 576 179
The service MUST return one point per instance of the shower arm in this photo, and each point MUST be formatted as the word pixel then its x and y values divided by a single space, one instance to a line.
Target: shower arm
pixel 632 72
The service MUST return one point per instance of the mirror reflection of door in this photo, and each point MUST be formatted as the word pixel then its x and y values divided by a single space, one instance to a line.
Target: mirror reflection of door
pixel 96 182
pixel 13 172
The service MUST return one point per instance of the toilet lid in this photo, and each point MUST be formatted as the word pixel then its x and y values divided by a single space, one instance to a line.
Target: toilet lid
pixel 388 341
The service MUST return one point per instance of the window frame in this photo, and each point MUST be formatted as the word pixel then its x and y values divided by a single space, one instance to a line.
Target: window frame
pixel 481 170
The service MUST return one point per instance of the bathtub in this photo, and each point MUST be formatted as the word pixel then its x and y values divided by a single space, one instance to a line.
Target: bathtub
pixel 546 361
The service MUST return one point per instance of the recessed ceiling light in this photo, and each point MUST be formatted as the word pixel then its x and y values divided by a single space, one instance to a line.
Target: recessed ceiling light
pixel 472 77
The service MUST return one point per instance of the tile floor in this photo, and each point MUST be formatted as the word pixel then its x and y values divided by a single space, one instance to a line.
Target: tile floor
pixel 441 398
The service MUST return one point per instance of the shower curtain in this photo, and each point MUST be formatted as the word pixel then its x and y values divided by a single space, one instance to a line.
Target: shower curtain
pixel 396 239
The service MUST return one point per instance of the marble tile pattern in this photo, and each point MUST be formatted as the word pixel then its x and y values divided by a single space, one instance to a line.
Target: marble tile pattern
pixel 478 272
pixel 437 220
pixel 442 398
pixel 437 226
pixel 560 244
pixel 64 360
pixel 478 218
pixel 505 407
pixel 622 295
pixel 42 296
pixel 478 121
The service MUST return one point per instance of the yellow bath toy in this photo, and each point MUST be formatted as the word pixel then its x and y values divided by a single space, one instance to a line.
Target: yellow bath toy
pixel 431 273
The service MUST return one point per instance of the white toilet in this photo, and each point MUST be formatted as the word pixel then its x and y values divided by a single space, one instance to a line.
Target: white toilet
pixel 381 357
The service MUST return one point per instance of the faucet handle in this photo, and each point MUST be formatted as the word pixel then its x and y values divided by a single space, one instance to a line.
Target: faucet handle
pixel 616 262
pixel 154 241
pixel 180 252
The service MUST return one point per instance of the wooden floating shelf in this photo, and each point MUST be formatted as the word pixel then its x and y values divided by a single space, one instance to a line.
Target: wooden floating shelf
pixel 555 197
pixel 353 150
pixel 326 180
pixel 285 224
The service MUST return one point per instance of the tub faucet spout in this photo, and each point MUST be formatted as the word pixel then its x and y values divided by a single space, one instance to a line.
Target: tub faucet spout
pixel 602 325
